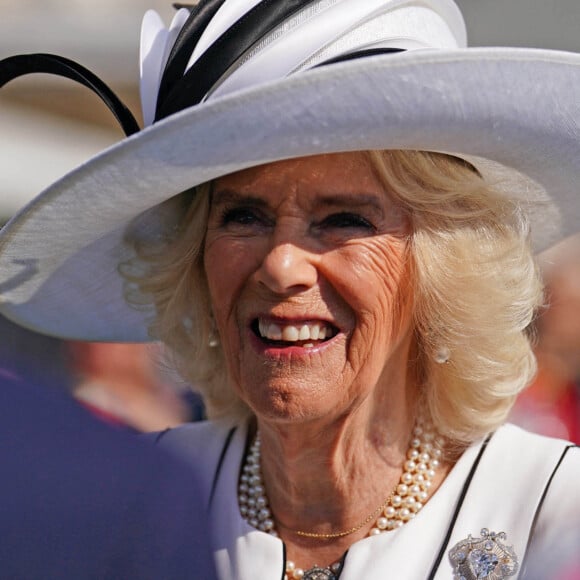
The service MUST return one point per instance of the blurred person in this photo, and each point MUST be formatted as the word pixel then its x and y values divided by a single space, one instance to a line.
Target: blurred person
pixel 551 405
pixel 127 384
pixel 82 500
pixel 122 382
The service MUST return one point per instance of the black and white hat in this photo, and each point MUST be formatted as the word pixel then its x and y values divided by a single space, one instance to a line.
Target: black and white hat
pixel 237 83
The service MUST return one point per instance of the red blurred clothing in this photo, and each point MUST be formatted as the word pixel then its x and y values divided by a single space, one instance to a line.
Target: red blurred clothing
pixel 550 406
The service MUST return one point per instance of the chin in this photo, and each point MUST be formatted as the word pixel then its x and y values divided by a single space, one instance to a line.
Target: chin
pixel 288 409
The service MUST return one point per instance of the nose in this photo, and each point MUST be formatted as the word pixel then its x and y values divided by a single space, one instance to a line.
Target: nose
pixel 288 268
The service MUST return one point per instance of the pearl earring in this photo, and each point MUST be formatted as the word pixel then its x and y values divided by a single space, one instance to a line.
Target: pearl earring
pixel 442 355
pixel 214 339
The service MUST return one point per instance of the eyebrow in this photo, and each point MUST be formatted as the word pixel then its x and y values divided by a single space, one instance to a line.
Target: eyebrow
pixel 230 196
pixel 351 200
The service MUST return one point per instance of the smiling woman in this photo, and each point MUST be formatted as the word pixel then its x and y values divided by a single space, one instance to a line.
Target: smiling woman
pixel 368 249
pixel 297 248
pixel 329 224
pixel 354 295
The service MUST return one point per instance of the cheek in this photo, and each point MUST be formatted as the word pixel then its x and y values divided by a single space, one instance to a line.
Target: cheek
pixel 379 289
pixel 395 275
pixel 216 274
pixel 229 264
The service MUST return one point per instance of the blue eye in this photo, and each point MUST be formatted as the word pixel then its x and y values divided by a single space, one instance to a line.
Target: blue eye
pixel 346 220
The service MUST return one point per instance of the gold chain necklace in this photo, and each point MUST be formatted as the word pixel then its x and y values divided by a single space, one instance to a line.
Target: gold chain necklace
pixel 348 532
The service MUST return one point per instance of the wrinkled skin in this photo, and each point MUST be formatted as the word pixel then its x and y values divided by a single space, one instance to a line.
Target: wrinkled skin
pixel 312 239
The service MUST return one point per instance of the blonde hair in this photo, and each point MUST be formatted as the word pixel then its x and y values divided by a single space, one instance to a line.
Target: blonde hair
pixel 477 288
pixel 476 291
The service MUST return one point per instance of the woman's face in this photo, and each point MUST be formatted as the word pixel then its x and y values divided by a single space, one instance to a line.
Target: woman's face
pixel 308 275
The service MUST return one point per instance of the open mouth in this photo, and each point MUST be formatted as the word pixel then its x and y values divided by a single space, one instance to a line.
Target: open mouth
pixel 306 334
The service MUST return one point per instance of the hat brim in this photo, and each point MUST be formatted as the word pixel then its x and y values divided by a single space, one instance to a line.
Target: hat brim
pixel 515 111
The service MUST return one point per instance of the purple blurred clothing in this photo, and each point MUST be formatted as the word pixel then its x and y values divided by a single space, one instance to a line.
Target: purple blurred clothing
pixel 80 499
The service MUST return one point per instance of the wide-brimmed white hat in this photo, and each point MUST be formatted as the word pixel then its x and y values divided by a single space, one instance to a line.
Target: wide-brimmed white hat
pixel 237 83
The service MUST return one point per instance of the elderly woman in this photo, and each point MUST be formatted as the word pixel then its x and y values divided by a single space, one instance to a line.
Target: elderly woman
pixel 349 283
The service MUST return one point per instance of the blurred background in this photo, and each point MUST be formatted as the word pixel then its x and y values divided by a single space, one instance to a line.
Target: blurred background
pixel 49 126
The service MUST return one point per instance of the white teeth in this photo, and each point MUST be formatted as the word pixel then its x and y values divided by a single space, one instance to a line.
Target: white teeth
pixel 291 333
pixel 304 333
pixel 274 332
pixel 271 331
pixel 262 328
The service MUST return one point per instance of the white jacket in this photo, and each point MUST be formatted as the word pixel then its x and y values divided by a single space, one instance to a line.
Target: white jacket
pixel 519 483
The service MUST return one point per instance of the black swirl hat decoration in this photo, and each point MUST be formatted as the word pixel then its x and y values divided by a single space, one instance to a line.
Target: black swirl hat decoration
pixel 180 86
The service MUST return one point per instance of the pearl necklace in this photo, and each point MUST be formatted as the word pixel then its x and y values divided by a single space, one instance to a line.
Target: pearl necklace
pixel 402 505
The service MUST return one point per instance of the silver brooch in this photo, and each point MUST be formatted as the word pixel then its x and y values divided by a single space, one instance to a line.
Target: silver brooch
pixel 485 558
pixel 317 573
